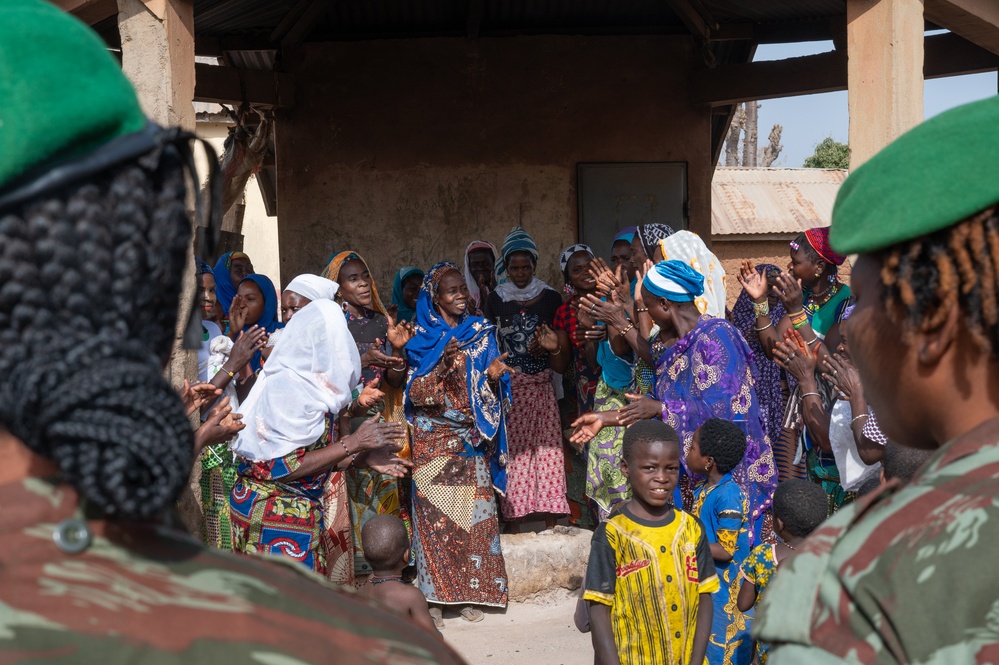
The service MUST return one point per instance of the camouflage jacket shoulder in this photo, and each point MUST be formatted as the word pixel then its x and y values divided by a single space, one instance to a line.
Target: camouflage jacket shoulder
pixel 148 593
pixel 902 575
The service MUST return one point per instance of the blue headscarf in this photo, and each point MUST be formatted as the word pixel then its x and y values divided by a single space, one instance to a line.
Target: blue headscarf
pixel 225 290
pixel 626 235
pixel 675 281
pixel 477 339
pixel 268 320
pixel 405 312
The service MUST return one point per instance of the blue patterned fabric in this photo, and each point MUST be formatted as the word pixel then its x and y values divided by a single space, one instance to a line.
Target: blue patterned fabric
pixel 477 339
pixel 708 373
pixel 675 281
pixel 225 290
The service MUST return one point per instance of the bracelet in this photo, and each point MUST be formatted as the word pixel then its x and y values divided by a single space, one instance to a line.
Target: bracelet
pixel 798 313
pixel 627 330
pixel 640 310
pixel 801 398
pixel 556 351
pixel 353 456
pixel 759 330
pixel 761 309
pixel 232 375
pixel 814 341
pixel 799 320
pixel 863 415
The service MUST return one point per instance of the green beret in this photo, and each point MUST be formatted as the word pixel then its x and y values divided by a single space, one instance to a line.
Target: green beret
pixel 933 176
pixel 61 92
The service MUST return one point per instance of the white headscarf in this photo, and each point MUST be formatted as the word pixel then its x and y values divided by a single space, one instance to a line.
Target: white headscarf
pixel 688 247
pixel 473 286
pixel 310 373
pixel 313 287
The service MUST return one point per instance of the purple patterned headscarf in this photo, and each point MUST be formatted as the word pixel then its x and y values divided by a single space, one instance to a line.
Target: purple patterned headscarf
pixel 768 382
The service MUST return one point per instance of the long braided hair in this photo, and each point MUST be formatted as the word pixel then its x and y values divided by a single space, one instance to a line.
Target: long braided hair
pixel 90 281
pixel 925 277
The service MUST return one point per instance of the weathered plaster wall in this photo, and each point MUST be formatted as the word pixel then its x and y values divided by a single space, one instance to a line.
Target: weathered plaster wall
pixel 407 150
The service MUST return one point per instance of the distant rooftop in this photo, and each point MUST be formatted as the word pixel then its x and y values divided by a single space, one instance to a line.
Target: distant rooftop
pixel 771 201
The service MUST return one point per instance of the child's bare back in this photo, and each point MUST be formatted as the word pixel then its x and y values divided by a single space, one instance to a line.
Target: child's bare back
pixel 402 599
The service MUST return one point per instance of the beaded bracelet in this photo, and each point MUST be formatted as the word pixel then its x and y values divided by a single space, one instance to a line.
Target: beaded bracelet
pixel 353 456
pixel 627 330
pixel 640 310
pixel 761 309
pixel 799 320
pixel 232 375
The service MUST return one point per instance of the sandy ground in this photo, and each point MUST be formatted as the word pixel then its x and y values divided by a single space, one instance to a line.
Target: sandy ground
pixel 528 633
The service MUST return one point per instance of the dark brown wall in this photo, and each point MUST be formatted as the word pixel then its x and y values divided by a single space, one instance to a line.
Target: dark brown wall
pixel 407 150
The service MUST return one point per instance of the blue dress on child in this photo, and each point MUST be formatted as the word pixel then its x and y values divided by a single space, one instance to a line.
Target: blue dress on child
pixel 724 510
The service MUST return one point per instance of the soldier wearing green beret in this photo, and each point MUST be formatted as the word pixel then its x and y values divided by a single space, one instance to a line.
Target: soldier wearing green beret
pixel 906 574
pixel 95 445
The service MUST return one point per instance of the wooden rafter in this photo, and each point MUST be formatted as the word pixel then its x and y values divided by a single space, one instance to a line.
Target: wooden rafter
pixel 944 55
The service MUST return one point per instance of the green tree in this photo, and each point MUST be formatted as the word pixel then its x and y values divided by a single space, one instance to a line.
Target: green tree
pixel 829 154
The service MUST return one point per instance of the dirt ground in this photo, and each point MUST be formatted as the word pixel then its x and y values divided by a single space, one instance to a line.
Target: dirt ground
pixel 527 633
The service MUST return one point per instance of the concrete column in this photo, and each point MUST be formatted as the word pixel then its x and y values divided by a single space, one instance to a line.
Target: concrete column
pixel 885 72
pixel 157 54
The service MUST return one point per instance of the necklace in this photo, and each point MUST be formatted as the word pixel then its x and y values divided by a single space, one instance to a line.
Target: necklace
pixel 382 580
pixel 815 302
pixel 790 547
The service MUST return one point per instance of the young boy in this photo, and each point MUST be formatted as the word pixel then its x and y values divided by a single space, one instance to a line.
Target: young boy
pixel 386 548
pixel 799 507
pixel 721 505
pixel 650 575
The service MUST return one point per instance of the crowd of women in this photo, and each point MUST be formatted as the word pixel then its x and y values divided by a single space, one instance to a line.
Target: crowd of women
pixel 482 396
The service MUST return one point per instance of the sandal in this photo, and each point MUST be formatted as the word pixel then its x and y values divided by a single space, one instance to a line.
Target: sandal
pixel 471 614
pixel 438 617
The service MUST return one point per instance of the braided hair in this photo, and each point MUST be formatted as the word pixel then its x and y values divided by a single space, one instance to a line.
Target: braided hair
pixel 89 288
pixel 925 277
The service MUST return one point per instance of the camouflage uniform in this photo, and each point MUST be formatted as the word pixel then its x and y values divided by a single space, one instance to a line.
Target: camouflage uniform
pixel 144 593
pixel 905 575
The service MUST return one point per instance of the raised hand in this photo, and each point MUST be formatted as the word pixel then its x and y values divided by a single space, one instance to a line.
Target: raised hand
pixel 794 356
pixel 372 435
pixel 789 290
pixel 399 333
pixel 451 351
pixel 220 426
pixel 196 396
pixel 840 371
pixel 248 343
pixel 237 315
pixel 753 282
pixel 609 312
pixel 497 368
pixel 603 276
pixel 375 357
pixel 639 407
pixel 370 395
pixel 546 338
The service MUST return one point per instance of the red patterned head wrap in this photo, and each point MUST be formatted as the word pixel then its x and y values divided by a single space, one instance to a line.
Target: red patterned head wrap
pixel 818 238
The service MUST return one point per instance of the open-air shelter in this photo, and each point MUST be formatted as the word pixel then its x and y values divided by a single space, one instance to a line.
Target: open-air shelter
pixel 407 128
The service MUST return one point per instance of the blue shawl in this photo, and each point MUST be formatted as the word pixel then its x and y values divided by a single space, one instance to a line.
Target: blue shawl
pixel 477 339
pixel 268 320
pixel 225 290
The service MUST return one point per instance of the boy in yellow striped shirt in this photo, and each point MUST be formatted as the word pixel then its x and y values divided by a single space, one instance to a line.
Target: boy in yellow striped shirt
pixel 650 576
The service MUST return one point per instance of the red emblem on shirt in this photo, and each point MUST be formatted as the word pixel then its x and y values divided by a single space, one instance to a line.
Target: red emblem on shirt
pixel 633 567
pixel 690 567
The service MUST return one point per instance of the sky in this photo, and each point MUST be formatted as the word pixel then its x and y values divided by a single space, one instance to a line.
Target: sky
pixel 810 118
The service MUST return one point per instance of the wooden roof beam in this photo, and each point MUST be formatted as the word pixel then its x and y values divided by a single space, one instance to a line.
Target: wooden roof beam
pixel 299 22
pixel 975 20
pixel 944 55
pixel 695 16
pixel 89 11
pixel 229 85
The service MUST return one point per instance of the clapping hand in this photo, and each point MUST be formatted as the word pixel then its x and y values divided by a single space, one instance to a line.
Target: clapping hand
pixel 753 282
pixel 840 371
pixel 237 315
pixel 220 426
pixel 789 290
pixel 247 343
pixel 639 407
pixel 375 357
pixel 545 340
pixel 497 368
pixel 385 461
pixel 794 356
pixel 370 395
pixel 197 396
pixel 399 333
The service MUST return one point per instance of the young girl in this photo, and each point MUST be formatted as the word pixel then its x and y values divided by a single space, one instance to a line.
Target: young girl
pixel 717 448
pixel 799 508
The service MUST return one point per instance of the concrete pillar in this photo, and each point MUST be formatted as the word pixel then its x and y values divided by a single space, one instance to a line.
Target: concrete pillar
pixel 885 72
pixel 157 55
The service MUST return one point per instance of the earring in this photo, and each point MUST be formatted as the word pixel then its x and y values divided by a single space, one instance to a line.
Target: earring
pixel 818 274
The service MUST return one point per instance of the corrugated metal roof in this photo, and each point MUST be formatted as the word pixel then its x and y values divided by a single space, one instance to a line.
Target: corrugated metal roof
pixel 772 200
